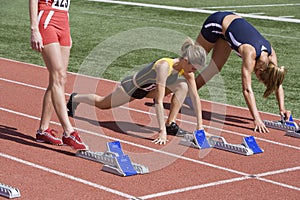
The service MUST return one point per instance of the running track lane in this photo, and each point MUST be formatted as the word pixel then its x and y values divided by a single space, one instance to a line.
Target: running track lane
pixel 176 172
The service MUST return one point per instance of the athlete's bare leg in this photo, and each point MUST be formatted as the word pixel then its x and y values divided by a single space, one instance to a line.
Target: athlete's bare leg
pixel 220 54
pixel 180 90
pixel 117 98
pixel 56 59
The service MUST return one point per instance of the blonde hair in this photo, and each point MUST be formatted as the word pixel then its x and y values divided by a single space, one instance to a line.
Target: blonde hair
pixel 195 53
pixel 272 77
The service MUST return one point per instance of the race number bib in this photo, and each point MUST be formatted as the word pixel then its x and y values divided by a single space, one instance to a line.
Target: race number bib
pixel 61 4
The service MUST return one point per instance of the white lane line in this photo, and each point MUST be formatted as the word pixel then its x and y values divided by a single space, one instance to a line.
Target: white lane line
pixel 285 185
pixel 186 189
pixel 253 6
pixel 74 178
pixel 258 177
pixel 245 175
pixel 177 23
pixel 134 144
pixel 197 10
pixel 112 81
pixel 279 184
pixel 153 114
pixel 278 171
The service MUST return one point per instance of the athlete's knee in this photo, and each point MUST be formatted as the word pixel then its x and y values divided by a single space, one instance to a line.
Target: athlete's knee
pixel 183 87
pixel 181 91
pixel 59 77
pixel 100 103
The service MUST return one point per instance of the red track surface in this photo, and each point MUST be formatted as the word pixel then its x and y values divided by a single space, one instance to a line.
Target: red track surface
pixel 42 171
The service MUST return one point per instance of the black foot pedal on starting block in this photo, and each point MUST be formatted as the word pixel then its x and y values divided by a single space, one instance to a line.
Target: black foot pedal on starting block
pixel 285 125
pixel 114 160
pixel 199 140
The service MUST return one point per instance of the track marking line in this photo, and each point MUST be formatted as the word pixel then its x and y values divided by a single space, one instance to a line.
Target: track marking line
pixel 273 182
pixel 186 189
pixel 134 144
pixel 184 121
pixel 73 178
pixel 254 6
pixel 245 175
pixel 116 82
pixel 257 176
pixel 278 171
pixel 177 23
pixel 196 10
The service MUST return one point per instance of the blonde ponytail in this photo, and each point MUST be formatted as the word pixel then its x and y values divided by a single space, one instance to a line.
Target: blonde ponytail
pixel 272 77
pixel 195 53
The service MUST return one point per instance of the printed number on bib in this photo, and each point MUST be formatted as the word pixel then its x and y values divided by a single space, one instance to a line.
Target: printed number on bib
pixel 61 4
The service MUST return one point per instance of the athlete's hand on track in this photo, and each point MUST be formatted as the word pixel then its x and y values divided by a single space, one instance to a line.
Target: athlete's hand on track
pixel 260 126
pixel 36 41
pixel 162 139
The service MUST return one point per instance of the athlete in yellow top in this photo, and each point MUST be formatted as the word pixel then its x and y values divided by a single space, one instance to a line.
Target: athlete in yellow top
pixel 157 80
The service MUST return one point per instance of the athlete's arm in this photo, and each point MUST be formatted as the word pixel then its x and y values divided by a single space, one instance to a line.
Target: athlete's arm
pixel 190 77
pixel 36 38
pixel 248 55
pixel 162 69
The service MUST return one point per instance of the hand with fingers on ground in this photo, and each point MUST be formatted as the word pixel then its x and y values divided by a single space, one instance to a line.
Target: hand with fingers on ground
pixel 260 126
pixel 162 138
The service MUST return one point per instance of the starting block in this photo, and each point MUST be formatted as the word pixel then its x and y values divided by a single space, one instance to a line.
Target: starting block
pixel 199 140
pixel 285 125
pixel 114 160
pixel 295 133
pixel 8 191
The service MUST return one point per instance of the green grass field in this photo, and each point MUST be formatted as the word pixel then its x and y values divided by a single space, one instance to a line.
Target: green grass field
pixel 112 40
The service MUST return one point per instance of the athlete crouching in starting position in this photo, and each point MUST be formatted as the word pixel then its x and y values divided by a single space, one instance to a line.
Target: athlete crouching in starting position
pixel 224 31
pixel 156 81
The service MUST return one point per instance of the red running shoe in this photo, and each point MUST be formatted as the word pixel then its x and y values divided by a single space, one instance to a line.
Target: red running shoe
pixel 74 141
pixel 48 136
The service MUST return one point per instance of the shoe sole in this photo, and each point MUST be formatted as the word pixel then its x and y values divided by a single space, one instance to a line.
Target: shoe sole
pixel 43 141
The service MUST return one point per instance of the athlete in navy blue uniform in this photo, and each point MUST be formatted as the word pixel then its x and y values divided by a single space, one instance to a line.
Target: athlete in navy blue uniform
pixel 226 31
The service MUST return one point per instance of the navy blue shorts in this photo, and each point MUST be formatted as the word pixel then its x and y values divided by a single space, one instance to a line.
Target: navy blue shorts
pixel 212 27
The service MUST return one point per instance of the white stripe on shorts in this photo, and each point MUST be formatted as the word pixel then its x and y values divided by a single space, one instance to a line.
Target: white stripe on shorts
pixel 51 13
pixel 40 15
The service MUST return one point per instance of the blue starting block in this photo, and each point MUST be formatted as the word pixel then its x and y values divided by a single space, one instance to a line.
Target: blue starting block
pixel 199 140
pixel 285 125
pixel 114 160
pixel 251 144
pixel 115 147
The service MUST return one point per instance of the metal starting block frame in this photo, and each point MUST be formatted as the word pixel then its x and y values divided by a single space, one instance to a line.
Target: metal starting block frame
pixel 285 125
pixel 199 140
pixel 295 133
pixel 8 191
pixel 114 160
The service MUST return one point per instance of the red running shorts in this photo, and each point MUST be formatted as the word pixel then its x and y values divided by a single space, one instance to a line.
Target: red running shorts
pixel 54 27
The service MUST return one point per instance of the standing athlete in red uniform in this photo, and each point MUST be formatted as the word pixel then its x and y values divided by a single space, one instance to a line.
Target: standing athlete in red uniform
pixel 50 35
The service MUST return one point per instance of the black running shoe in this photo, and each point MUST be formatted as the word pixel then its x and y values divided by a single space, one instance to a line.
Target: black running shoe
pixel 71 105
pixel 173 129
